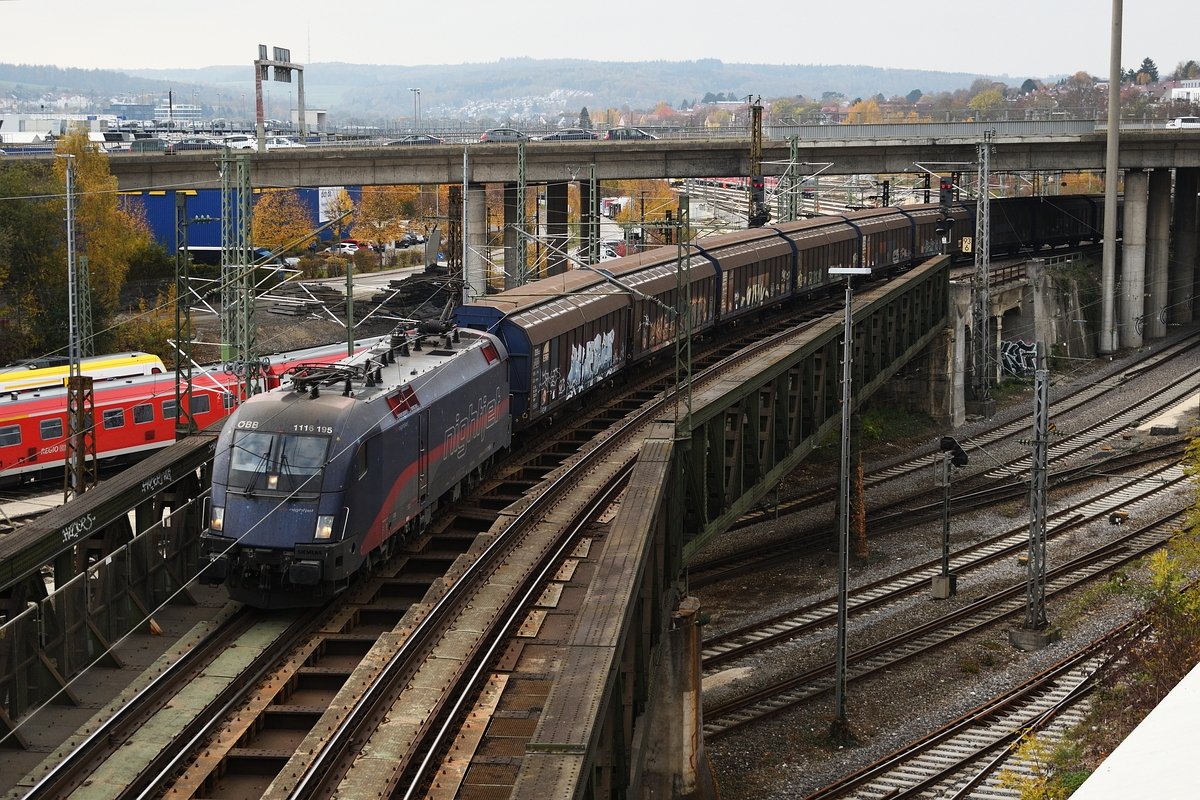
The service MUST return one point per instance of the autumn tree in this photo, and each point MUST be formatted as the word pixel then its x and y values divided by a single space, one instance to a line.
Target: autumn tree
pixel 280 220
pixel 340 207
pixel 987 100
pixel 108 235
pixel 865 112
pixel 31 236
pixel 383 214
pixel 1186 70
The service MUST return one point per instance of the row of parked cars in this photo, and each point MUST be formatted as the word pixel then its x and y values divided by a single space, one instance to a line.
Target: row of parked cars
pixel 348 247
pixel 514 135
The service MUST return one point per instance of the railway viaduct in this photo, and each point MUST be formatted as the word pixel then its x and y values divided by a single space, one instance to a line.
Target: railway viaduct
pixel 629 659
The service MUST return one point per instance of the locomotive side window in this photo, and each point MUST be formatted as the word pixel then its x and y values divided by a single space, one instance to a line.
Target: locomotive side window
pixel 200 404
pixel 10 435
pixel 169 411
pixel 360 462
pixel 51 428
pixel 114 418
pixel 143 413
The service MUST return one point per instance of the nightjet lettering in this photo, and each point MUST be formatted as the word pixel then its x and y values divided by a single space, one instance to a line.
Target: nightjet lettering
pixel 480 416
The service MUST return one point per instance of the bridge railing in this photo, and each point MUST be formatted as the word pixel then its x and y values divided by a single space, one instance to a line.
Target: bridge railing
pixel 55 639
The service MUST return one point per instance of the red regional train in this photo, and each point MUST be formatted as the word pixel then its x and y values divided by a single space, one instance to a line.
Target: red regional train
pixel 134 415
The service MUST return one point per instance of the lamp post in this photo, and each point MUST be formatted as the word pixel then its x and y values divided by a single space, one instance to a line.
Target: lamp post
pixel 839 722
pixel 416 108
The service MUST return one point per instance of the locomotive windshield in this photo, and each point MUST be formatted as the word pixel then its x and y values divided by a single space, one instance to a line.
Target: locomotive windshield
pixel 272 462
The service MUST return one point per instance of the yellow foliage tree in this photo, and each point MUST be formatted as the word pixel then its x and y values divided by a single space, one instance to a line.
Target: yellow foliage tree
pixel 105 233
pixel 985 101
pixel 864 112
pixel 383 214
pixel 339 206
pixel 280 220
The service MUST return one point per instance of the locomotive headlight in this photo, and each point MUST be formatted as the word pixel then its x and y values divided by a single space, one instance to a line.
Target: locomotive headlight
pixel 217 521
pixel 324 526
pixel 272 481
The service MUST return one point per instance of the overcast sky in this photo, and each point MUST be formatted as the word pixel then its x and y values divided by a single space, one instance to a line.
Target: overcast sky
pixel 1018 37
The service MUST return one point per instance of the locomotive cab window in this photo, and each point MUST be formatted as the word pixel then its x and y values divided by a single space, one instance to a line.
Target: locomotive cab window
pixel 114 418
pixel 251 459
pixel 301 461
pixel 51 429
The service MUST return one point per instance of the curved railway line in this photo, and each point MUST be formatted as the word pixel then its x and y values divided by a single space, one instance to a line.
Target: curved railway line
pixel 905 511
pixel 790 692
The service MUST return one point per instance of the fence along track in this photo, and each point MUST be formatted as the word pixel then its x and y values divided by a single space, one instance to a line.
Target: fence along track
pixel 791 692
pixel 742 642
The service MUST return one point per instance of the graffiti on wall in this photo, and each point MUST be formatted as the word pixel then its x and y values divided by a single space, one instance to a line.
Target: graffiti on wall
pixel 1018 357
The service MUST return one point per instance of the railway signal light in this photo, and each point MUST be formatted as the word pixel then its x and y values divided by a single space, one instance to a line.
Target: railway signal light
pixel 958 456
pixel 946 190
pixel 758 191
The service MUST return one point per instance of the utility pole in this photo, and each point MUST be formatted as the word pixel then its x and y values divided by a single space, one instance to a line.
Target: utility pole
pixel 757 213
pixel 520 270
pixel 981 377
pixel 238 327
pixel 1032 634
pixel 80 473
pixel 1108 342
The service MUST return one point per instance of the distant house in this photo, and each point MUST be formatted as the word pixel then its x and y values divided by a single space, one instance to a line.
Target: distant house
pixel 1188 91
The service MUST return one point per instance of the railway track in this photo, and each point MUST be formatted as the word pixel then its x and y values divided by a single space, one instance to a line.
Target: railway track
pixel 750 639
pixel 966 755
pixel 907 510
pixel 790 692
pixel 301 728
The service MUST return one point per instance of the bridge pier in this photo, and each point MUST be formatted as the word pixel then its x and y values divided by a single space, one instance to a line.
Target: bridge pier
pixel 1133 259
pixel 476 235
pixel 1158 247
pixel 1183 266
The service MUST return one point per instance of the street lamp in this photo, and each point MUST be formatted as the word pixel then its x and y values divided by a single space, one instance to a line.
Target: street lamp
pixel 839 723
pixel 416 108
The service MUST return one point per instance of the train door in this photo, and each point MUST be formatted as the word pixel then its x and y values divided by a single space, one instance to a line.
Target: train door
pixel 422 456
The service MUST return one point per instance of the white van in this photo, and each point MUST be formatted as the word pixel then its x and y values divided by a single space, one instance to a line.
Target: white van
pixel 1184 122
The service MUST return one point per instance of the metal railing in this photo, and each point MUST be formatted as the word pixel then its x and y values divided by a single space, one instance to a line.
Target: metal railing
pixel 56 638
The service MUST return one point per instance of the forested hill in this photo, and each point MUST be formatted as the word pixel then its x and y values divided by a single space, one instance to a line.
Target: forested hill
pixel 383 90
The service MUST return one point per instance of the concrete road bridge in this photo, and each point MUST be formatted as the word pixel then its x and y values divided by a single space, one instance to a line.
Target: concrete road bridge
pixel 893 149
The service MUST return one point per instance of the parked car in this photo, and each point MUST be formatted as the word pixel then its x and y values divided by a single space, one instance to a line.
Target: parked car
pixel 417 138
pixel 342 249
pixel 240 141
pixel 628 133
pixel 503 135
pixel 193 143
pixel 1184 122
pixel 281 143
pixel 148 146
pixel 568 134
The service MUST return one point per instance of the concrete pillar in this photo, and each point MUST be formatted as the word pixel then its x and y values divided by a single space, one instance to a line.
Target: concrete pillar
pixel 1133 259
pixel 674 765
pixel 1184 261
pixel 1158 243
pixel 510 236
pixel 476 235
pixel 1043 304
pixel 556 227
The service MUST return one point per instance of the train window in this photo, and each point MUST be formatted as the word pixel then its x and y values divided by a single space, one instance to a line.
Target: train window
pixel 169 411
pixel 200 404
pixel 302 459
pixel 114 418
pixel 143 413
pixel 360 462
pixel 51 428
pixel 251 457
pixel 10 435
pixel 228 401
